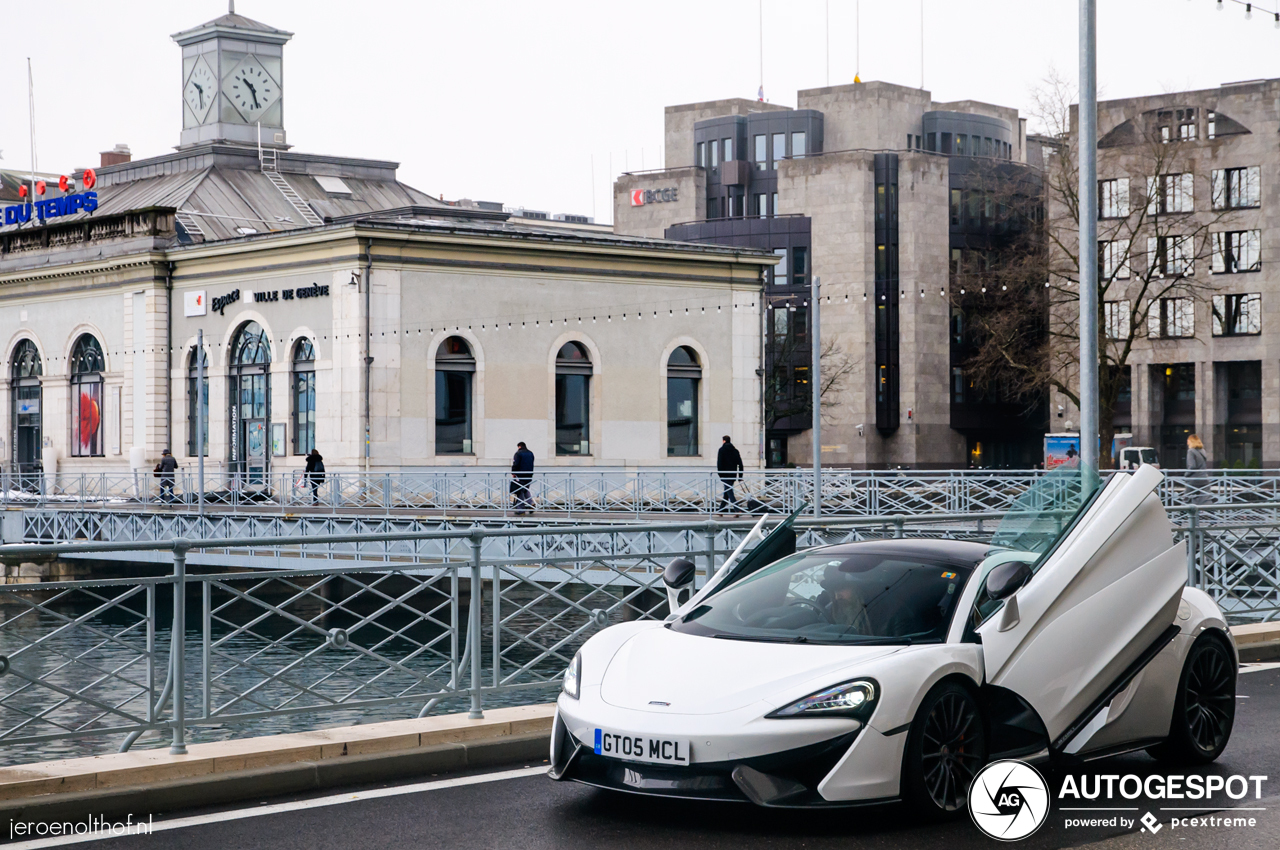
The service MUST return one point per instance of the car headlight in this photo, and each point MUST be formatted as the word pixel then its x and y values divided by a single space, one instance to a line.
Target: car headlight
pixel 850 699
pixel 573 676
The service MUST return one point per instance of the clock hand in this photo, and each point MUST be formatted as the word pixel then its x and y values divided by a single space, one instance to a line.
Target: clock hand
pixel 253 91
pixel 200 89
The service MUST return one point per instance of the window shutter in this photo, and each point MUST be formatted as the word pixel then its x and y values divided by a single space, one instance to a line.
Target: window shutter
pixel 1187 201
pixel 1122 197
pixel 1216 184
pixel 1219 262
pixel 1153 319
pixel 1153 257
pixel 1153 196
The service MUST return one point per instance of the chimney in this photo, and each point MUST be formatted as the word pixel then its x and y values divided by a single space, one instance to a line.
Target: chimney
pixel 116 156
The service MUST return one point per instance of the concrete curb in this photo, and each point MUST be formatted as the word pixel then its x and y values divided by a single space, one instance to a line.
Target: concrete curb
pixel 263 783
pixel 1257 641
pixel 148 781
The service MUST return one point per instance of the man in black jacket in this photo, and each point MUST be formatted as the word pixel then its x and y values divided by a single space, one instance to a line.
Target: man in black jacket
pixel 315 474
pixel 729 465
pixel 521 478
pixel 165 470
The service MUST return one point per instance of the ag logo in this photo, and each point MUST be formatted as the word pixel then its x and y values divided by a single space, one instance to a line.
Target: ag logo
pixel 1009 800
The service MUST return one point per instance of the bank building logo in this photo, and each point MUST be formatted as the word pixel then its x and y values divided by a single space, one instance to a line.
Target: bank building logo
pixel 1009 800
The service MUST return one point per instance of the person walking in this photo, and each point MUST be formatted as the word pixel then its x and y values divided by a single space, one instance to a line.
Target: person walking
pixel 1197 471
pixel 165 470
pixel 521 478
pixel 729 465
pixel 315 474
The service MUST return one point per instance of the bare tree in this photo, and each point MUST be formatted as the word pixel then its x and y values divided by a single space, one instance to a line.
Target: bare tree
pixel 784 397
pixel 1157 222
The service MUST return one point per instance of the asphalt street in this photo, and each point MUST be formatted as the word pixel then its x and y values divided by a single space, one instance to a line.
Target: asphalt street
pixel 523 809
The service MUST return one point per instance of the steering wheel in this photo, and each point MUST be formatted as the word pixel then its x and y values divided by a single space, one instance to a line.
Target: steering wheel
pixel 815 607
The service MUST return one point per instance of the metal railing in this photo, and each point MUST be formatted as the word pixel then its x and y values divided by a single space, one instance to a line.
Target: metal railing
pixel 866 493
pixel 469 616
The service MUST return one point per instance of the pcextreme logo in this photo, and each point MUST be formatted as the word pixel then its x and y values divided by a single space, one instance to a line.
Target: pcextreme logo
pixel 1009 800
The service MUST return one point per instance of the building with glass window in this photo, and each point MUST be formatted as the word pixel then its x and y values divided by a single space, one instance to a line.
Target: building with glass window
pixel 888 197
pixel 1189 216
pixel 345 311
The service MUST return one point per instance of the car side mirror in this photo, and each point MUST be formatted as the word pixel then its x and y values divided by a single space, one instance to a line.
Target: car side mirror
pixel 1003 581
pixel 678 577
pixel 679 573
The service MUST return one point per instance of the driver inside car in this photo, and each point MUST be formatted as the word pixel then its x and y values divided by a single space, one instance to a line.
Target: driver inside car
pixel 844 604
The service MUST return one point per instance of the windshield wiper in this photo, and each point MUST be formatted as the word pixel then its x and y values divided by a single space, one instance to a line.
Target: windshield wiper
pixel 762 639
pixel 865 641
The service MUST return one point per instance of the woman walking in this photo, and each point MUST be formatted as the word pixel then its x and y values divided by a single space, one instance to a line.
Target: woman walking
pixel 1197 471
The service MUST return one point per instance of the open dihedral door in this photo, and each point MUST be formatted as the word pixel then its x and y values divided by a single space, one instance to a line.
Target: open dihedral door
pixel 1101 602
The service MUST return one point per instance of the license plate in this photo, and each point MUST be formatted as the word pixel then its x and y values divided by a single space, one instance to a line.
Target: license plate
pixel 641 748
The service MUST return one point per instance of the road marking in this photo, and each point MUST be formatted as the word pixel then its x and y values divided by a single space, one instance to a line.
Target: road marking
pixel 295 806
pixel 1258 668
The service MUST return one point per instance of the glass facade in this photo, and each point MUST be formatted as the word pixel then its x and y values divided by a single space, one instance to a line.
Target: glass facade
pixel 193 401
pixel 249 408
pixel 24 385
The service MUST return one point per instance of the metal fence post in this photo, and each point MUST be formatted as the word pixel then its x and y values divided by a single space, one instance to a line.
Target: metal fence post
pixel 1193 543
pixel 206 640
pixel 712 529
pixel 473 625
pixel 178 645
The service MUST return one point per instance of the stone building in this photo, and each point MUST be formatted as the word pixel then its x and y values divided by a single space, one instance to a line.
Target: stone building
pixel 1188 221
pixel 886 196
pixel 346 311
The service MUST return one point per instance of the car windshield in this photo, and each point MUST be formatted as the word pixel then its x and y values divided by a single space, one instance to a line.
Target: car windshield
pixel 833 597
pixel 1043 515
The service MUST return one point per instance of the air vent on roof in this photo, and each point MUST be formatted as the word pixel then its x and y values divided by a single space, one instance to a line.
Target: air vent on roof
pixel 333 185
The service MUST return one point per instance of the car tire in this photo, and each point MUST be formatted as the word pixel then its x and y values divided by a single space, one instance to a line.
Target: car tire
pixel 946 747
pixel 1204 708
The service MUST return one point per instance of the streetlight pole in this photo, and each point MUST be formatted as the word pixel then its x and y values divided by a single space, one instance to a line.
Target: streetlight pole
pixel 200 400
pixel 1088 194
pixel 815 379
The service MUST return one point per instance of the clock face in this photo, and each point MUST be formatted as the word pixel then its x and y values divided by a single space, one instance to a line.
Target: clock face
pixel 251 89
pixel 201 90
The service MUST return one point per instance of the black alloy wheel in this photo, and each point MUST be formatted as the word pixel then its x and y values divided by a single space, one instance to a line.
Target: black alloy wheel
pixel 1204 710
pixel 946 748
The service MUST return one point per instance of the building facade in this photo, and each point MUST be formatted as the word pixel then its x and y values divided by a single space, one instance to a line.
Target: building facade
pixel 344 311
pixel 1189 211
pixel 887 197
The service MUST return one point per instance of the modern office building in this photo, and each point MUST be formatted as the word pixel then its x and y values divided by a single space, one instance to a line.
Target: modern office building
pixel 888 197
pixel 1189 195
pixel 346 311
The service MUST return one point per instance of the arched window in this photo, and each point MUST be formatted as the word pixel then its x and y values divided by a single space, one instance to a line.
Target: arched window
pixel 193 401
pixel 250 401
pixel 87 366
pixel 683 374
pixel 25 385
pixel 573 400
pixel 304 397
pixel 455 369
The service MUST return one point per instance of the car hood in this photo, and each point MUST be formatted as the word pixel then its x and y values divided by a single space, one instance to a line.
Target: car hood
pixel 705 675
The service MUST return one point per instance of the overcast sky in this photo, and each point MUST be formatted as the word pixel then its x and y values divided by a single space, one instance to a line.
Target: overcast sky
pixel 510 101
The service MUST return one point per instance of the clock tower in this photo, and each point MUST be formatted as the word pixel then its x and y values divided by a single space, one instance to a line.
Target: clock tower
pixel 232 82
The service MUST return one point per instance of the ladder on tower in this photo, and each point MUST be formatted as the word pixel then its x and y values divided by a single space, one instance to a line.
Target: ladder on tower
pixel 268 158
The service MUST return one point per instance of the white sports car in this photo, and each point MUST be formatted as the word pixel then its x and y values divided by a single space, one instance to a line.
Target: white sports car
pixel 895 669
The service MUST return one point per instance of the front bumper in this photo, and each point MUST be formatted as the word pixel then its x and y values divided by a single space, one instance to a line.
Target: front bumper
pixel 787 779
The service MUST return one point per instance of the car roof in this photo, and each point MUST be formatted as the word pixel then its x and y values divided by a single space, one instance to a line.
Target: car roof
pixel 962 553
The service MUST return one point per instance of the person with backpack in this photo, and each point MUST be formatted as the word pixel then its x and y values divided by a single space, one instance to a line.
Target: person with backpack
pixel 315 474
